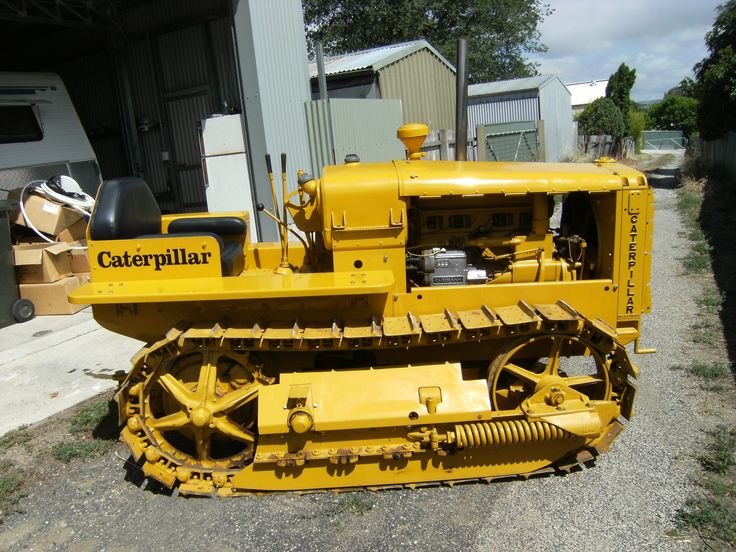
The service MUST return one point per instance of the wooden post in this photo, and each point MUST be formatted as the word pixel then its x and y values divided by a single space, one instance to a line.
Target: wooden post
pixel 480 134
pixel 541 142
pixel 444 145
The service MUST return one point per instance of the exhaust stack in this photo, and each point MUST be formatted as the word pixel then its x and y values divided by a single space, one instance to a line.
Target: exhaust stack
pixel 461 101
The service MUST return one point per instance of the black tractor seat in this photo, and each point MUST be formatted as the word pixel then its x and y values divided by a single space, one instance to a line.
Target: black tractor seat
pixel 125 209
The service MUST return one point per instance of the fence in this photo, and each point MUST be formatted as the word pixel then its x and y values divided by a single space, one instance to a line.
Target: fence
pixel 597 146
pixel 719 154
pixel 605 146
pixel 440 145
pixel 663 139
pixel 509 142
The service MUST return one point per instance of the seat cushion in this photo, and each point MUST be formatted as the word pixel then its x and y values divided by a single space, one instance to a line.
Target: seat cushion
pixel 124 208
pixel 224 226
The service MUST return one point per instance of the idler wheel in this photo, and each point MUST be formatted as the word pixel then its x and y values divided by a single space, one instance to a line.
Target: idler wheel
pixel 532 363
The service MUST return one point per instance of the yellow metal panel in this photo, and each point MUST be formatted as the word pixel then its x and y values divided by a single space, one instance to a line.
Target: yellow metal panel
pixel 471 463
pixel 385 397
pixel 632 258
pixel 263 284
pixel 514 314
pixel 446 178
pixel 477 319
pixel 434 323
pixel 154 258
pixel 399 325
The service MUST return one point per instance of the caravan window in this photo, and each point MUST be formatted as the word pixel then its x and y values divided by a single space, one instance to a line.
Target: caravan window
pixel 18 123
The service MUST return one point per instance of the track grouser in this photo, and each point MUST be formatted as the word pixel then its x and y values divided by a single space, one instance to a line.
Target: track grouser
pixel 418 322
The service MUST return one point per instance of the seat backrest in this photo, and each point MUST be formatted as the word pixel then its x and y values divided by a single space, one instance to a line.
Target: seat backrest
pixel 125 208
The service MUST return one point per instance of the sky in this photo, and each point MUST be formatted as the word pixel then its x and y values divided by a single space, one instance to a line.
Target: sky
pixel 661 39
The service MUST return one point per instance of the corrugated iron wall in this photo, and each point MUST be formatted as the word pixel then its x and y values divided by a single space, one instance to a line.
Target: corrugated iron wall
pixel 143 17
pixel 560 140
pixel 90 81
pixel 366 128
pixel 320 135
pixel 491 110
pixel 425 85
pixel 181 69
pixel 273 63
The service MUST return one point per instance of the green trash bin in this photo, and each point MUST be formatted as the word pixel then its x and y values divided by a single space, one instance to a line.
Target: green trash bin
pixel 12 308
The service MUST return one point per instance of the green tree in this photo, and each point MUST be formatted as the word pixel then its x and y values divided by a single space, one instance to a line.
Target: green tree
pixel 716 76
pixel 674 113
pixel 637 122
pixel 601 117
pixel 618 91
pixel 687 87
pixel 500 33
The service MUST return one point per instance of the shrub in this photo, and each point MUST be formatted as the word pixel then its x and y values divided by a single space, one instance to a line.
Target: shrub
pixel 601 117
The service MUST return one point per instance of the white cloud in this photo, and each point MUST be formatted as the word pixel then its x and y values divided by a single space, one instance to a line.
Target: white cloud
pixel 661 39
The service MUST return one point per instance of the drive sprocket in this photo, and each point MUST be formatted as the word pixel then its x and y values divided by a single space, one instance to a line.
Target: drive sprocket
pixel 191 408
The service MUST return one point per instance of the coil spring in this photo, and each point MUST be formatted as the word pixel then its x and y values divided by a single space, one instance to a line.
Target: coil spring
pixel 482 434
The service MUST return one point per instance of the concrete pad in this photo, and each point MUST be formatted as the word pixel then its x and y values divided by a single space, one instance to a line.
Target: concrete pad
pixel 51 363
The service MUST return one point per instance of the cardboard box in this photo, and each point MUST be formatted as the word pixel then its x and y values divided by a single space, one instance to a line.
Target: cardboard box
pixel 42 262
pixel 75 232
pixel 80 261
pixel 51 298
pixel 84 277
pixel 47 216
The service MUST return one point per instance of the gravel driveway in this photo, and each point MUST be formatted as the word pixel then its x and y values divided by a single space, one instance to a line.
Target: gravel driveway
pixel 627 502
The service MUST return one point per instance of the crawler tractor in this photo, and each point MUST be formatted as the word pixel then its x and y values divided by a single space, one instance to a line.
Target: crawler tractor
pixel 427 321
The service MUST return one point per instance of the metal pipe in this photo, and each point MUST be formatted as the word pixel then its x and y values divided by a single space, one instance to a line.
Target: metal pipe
pixel 461 101
pixel 321 77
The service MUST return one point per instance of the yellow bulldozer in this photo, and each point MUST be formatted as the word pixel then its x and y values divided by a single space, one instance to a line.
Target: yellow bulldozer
pixel 418 322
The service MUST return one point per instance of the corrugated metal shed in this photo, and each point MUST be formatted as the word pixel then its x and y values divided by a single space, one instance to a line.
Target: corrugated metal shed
pixel 366 128
pixel 513 86
pixel 273 63
pixel 413 72
pixel 542 98
pixel 375 59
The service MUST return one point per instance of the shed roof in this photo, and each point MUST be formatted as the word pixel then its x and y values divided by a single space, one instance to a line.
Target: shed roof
pixel 513 85
pixel 374 59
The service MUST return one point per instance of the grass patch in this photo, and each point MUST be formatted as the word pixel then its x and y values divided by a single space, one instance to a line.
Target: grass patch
pixel 94 430
pixel 11 482
pixel 689 202
pixel 695 262
pixel 713 515
pixel 706 331
pixel 98 416
pixel 15 437
pixel 67 451
pixel 722 450
pixel 711 302
pixel 356 503
pixel 708 370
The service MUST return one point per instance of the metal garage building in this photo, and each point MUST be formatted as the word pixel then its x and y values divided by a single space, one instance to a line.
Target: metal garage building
pixel 413 72
pixel 143 73
pixel 523 119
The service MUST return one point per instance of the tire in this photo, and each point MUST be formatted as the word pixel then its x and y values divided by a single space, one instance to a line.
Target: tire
pixel 23 310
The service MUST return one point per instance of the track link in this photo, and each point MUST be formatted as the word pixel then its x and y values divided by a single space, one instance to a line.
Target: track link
pixel 171 467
